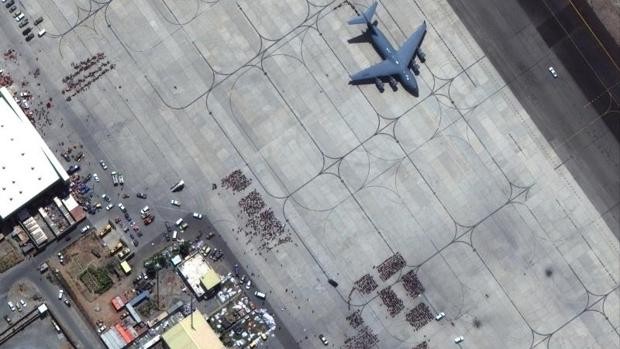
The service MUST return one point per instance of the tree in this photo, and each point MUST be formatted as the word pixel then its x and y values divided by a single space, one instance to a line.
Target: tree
pixel 184 249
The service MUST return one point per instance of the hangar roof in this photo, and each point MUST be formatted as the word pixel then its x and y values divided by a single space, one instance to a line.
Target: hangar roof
pixel 27 165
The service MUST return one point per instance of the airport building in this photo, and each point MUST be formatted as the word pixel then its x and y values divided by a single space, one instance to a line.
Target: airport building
pixel 27 165
pixel 199 275
pixel 193 332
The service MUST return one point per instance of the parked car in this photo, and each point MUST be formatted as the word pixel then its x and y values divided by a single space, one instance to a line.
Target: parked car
pixel 141 195
pixel 37 22
pixel 105 197
pixel 7 319
pixel 11 305
pixel 323 340
pixel 553 72
pixel 109 207
pixel 135 242
pixel 197 215
pixel 23 23
pixel 175 203
pixel 440 316
pixel 168 227
pixel 85 229
pixel 60 294
pixel 122 207
pixel 96 177
pixel 121 179
pixel 10 3
pixel 23 303
pixel 12 9
pixel 458 339
pixel 248 284
pixel 73 168
pixel 66 301
pixel 145 212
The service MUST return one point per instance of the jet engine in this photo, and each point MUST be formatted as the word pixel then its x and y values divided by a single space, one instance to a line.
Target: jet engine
pixel 393 83
pixel 421 55
pixel 414 67
pixel 379 85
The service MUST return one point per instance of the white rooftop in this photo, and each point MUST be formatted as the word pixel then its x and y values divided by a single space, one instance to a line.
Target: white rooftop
pixel 27 165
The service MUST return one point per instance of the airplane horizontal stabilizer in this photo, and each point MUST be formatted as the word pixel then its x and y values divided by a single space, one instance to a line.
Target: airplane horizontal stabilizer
pixel 366 16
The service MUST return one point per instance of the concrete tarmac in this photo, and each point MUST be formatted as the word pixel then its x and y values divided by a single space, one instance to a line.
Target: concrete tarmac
pixel 579 113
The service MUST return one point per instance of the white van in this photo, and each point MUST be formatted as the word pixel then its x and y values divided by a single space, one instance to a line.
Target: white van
pixel 260 295
pixel 179 222
pixel 174 235
pixel 41 33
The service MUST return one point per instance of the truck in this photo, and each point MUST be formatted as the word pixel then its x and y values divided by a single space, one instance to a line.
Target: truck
pixel 115 178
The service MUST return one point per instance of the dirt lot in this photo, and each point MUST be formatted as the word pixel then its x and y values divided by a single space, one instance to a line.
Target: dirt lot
pixel 80 258
pixel 10 255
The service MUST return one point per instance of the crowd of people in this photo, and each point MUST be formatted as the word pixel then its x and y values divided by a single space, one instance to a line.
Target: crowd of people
pixel 423 345
pixel 364 339
pixel 268 228
pixel 86 72
pixel 236 181
pixel 366 284
pixel 252 203
pixel 355 319
pixel 412 284
pixel 389 298
pixel 419 316
pixel 391 266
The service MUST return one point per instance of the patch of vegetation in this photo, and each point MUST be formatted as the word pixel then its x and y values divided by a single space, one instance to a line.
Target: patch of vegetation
pixel 96 280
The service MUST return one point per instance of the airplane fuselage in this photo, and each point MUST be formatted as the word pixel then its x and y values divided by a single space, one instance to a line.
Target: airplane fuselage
pixel 387 51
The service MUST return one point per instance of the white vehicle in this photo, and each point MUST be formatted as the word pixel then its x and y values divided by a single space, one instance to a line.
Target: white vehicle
pixel 174 235
pixel 179 222
pixel 145 211
pixel 11 306
pixel 440 316
pixel 20 17
pixel 105 197
pixel 323 339
pixel 85 229
pixel 248 284
pixel 96 177
pixel 109 207
pixel 458 339
pixel 41 32
pixel 260 295
pixel 122 207
pixel 197 215
pixel 553 72
pixel 175 203
pixel 114 178
pixel 23 303
pixel 103 165
pixel 60 294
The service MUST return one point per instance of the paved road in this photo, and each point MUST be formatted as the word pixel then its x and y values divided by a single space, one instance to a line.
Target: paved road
pixel 79 330
pixel 575 112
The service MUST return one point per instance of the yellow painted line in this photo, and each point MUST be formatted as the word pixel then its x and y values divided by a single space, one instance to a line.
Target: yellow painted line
pixel 593 34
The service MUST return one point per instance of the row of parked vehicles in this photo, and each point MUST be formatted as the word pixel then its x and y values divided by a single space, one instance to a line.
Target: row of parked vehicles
pixel 20 17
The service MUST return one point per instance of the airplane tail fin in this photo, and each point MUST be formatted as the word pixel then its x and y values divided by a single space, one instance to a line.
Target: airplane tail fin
pixel 366 16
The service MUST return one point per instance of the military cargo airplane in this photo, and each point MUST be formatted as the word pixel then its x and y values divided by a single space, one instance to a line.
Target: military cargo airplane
pixel 396 63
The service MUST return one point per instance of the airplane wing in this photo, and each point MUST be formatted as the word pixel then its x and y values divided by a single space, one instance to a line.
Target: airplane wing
pixel 409 47
pixel 384 68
